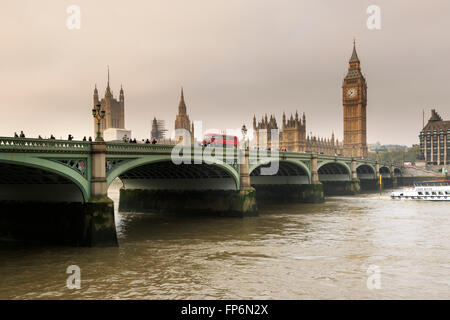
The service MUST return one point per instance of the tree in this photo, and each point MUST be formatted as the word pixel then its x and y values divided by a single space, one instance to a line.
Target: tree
pixel 396 156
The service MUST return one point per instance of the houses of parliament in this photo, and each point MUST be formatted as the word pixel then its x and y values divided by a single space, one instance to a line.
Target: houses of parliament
pixel 293 137
pixel 114 109
pixel 292 134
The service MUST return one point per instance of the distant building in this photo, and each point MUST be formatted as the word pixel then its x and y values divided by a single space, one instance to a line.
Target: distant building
pixel 158 129
pixel 386 147
pixel 435 140
pixel 114 109
pixel 182 120
pixel 292 136
pixel 262 132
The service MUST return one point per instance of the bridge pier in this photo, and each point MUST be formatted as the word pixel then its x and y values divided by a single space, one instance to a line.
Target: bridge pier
pixel 100 209
pixel 393 177
pixel 199 202
pixel 246 203
pixel 369 184
pixel 377 175
pixel 314 192
pixel 333 188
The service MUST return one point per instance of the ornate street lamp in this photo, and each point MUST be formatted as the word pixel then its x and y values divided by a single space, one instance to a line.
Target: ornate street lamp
pixel 98 115
pixel 244 133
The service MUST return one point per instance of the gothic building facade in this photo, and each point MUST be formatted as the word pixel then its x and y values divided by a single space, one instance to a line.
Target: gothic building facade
pixel 435 141
pixel 182 121
pixel 114 109
pixel 292 136
pixel 354 100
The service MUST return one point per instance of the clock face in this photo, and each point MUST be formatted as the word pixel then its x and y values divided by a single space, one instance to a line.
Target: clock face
pixel 351 92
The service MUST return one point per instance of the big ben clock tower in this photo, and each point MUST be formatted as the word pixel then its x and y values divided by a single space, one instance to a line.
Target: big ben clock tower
pixel 354 100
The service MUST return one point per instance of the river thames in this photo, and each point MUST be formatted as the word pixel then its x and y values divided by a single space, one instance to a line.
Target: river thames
pixel 291 251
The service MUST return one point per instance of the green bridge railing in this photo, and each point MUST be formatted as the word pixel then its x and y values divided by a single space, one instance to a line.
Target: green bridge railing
pixel 43 145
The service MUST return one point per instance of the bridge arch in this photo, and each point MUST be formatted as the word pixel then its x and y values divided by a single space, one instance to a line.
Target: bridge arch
pixel 385 171
pixel 289 172
pixel 40 179
pixel 159 172
pixel 397 172
pixel 334 171
pixel 365 171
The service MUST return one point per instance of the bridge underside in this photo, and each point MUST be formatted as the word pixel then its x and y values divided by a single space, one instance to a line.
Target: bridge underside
pixel 291 183
pixel 169 176
pixel 365 172
pixel 187 188
pixel 40 206
pixel 24 183
pixel 333 172
pixel 288 173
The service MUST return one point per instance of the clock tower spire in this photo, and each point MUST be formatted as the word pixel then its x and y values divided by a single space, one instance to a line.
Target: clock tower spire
pixel 354 100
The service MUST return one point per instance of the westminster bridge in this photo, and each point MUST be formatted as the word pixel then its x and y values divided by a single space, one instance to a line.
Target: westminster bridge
pixel 67 182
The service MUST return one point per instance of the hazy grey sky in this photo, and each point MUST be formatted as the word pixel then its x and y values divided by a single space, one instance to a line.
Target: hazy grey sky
pixel 235 58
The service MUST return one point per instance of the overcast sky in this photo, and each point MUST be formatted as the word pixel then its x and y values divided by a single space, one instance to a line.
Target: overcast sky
pixel 234 58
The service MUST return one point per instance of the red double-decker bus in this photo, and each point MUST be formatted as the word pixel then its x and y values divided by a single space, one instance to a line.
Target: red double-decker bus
pixel 217 139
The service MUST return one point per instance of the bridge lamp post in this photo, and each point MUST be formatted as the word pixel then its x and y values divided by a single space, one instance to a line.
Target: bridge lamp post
pixel 244 133
pixel 98 115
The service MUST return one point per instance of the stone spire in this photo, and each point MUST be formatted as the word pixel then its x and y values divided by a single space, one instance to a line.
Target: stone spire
pixel 434 116
pixel 354 57
pixel 182 120
pixel 95 95
pixel 121 96
pixel 182 104
pixel 108 92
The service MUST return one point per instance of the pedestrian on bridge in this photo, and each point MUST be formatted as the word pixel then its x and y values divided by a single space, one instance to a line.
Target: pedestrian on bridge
pixel 22 135
pixel 16 135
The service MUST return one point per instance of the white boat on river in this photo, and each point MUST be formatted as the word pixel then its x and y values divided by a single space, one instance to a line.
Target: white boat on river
pixel 435 190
